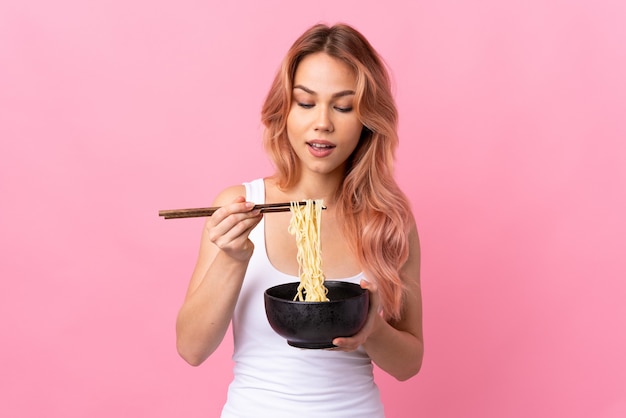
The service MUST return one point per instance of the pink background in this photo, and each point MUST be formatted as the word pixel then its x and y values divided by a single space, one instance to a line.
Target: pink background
pixel 513 152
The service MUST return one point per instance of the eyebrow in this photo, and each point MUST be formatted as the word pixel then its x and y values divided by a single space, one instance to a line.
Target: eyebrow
pixel 338 94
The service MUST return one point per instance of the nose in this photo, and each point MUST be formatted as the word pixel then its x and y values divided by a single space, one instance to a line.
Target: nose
pixel 323 122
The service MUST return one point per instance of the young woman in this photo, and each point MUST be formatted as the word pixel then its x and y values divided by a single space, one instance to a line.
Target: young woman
pixel 331 132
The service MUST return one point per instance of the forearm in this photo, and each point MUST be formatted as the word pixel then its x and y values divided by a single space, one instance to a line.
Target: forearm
pixel 205 315
pixel 397 352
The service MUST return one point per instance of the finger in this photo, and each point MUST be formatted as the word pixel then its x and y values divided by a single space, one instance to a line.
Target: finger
pixel 345 344
pixel 241 231
pixel 238 205
pixel 374 295
pixel 338 342
pixel 227 217
pixel 371 286
pixel 235 230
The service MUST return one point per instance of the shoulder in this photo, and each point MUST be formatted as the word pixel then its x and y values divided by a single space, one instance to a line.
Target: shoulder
pixel 228 194
pixel 254 191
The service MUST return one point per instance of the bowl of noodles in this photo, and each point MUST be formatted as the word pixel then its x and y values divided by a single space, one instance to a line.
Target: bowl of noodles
pixel 315 324
pixel 314 311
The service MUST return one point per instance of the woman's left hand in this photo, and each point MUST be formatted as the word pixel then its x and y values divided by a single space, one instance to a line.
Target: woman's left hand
pixel 373 316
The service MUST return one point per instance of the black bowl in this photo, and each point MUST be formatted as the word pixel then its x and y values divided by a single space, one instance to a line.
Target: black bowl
pixel 316 324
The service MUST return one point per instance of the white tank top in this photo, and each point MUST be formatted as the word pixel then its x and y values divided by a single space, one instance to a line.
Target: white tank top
pixel 275 380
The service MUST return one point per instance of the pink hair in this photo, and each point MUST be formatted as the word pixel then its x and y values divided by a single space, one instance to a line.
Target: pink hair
pixel 376 213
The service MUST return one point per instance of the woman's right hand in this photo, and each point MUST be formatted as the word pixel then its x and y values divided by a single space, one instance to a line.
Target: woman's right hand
pixel 225 250
pixel 229 228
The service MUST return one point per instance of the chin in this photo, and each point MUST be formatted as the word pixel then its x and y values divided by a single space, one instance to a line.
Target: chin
pixel 325 170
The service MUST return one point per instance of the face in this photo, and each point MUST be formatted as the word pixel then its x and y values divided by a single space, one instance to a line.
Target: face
pixel 322 125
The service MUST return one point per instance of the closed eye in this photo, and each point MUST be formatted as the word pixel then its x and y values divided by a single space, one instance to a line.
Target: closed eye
pixel 343 109
pixel 305 105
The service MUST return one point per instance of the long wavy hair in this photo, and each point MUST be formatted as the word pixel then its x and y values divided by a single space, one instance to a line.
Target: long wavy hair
pixel 376 214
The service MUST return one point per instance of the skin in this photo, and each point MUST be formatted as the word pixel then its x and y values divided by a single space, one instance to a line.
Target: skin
pixel 322 113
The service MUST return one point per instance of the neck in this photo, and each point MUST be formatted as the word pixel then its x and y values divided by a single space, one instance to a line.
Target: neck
pixel 316 186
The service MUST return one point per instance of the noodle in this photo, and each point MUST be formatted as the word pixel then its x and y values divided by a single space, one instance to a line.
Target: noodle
pixel 306 226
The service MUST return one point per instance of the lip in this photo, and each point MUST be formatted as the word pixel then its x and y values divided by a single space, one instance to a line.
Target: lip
pixel 320 152
pixel 321 142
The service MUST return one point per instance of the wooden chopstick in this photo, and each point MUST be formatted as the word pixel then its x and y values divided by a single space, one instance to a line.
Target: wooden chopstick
pixel 200 212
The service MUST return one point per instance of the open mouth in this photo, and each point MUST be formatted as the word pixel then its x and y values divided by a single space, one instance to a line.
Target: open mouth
pixel 320 146
pixel 320 149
